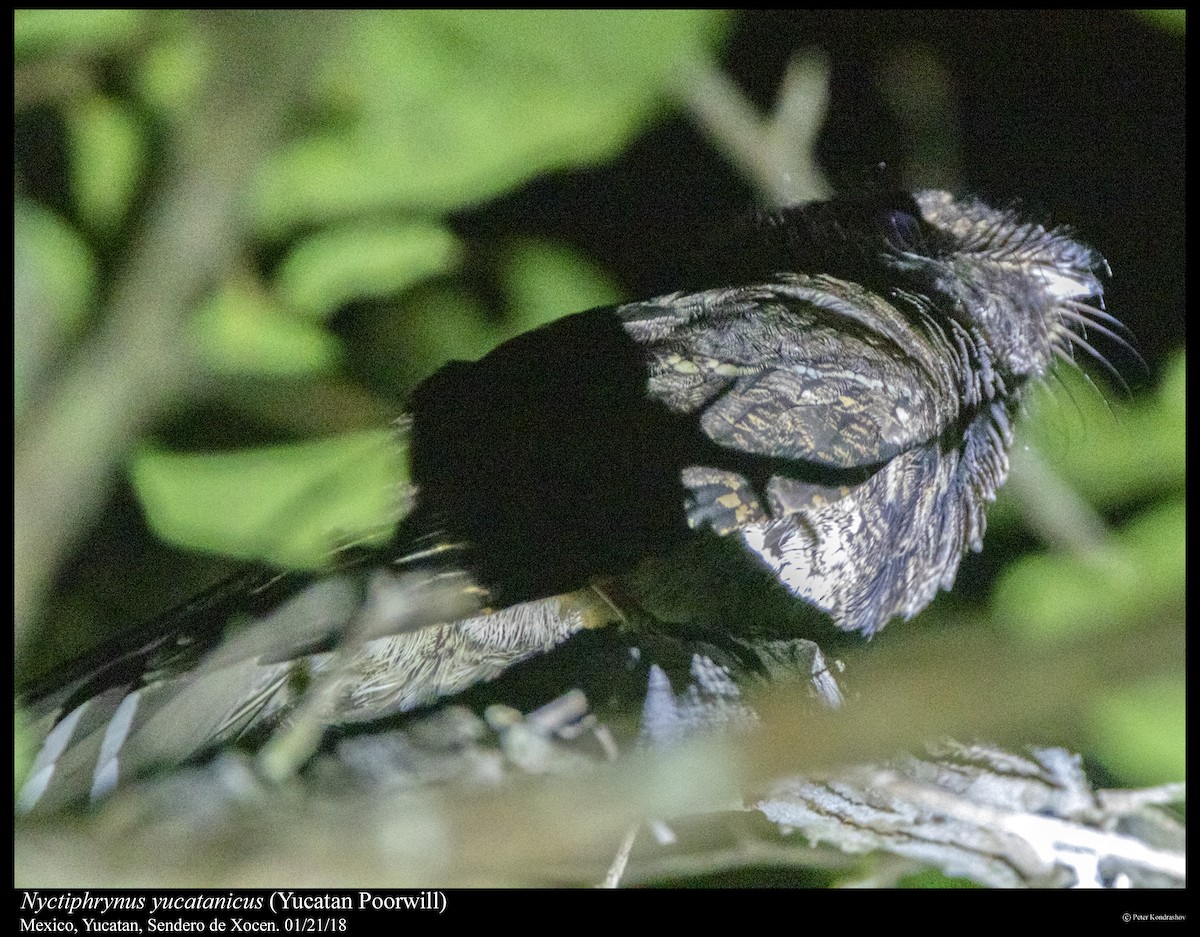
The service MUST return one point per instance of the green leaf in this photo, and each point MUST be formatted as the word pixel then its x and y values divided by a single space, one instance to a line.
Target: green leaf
pixel 1140 732
pixel 450 326
pixel 53 278
pixel 24 747
pixel 1172 21
pixel 1140 575
pixel 171 73
pixel 546 281
pixel 285 505
pixel 542 282
pixel 1116 454
pixel 1112 454
pixel 241 332
pixel 934 878
pixel 440 109
pixel 39 32
pixel 365 260
pixel 107 152
pixel 56 261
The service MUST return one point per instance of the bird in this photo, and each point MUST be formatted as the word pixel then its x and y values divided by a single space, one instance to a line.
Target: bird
pixel 831 424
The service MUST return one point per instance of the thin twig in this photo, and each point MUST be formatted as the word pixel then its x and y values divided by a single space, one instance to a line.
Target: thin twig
pixel 139 365
pixel 775 155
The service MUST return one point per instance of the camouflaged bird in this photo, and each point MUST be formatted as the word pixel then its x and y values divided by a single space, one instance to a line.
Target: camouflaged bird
pixel 844 416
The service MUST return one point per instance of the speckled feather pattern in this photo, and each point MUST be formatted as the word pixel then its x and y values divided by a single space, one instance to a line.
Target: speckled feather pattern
pixel 917 386
pixel 846 419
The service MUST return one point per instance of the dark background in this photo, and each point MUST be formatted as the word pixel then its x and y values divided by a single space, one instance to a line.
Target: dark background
pixel 1076 116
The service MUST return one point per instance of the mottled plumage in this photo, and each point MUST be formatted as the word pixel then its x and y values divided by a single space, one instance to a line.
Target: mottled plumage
pixel 844 413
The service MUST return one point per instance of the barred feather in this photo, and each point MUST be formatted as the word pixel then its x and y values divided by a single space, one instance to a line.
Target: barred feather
pixel 847 415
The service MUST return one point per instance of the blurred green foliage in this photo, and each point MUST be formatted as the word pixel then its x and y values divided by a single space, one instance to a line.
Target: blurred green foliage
pixel 109 153
pixel 245 330
pixel 1171 20
pixel 932 878
pixel 415 115
pixel 39 33
pixel 1140 731
pixel 54 285
pixel 1127 458
pixel 1114 451
pixel 1054 597
pixel 288 505
pixel 342 263
pixel 1119 456
pixel 434 110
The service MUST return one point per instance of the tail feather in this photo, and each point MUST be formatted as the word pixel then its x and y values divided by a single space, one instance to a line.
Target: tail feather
pixel 404 641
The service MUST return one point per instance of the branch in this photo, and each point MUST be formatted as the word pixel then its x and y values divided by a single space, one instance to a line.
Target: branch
pixel 138 365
